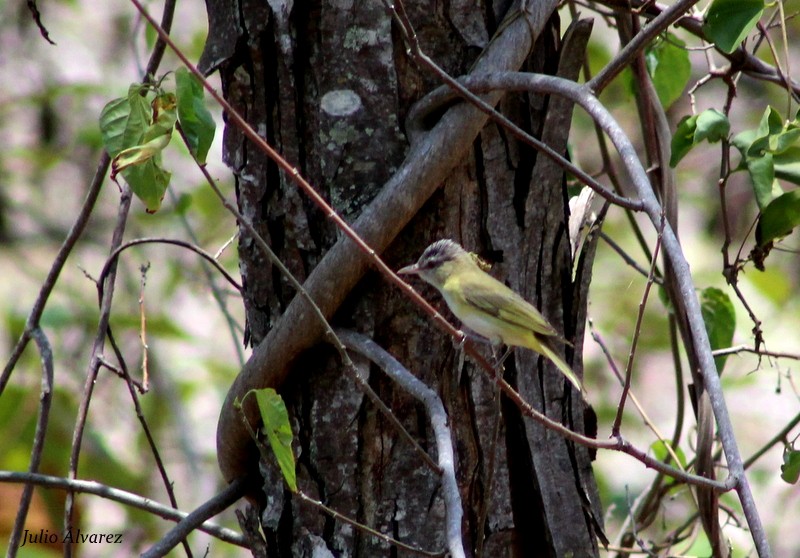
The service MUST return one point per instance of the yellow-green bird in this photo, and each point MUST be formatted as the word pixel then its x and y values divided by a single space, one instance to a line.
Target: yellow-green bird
pixel 485 305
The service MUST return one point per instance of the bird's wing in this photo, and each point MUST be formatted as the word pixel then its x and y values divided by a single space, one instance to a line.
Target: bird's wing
pixel 501 302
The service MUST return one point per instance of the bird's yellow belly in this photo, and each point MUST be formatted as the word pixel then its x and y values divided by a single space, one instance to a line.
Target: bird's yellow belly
pixel 494 329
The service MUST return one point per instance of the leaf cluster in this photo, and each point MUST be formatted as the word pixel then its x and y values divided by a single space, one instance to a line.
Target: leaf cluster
pixel 138 127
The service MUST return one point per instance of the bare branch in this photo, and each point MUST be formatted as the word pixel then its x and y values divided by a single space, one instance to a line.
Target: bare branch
pixel 626 383
pixel 740 59
pixel 50 281
pixel 779 437
pixel 45 400
pixel 37 19
pixel 229 495
pixel 94 362
pixel 628 259
pixel 756 351
pixel 666 18
pixel 438 417
pixel 427 164
pixel 112 258
pixel 370 531
pixel 123 497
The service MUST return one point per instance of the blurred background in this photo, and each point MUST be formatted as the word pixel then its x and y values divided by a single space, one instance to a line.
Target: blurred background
pixel 50 100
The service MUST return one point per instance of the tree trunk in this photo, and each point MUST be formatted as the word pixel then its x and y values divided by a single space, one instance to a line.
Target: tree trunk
pixel 330 84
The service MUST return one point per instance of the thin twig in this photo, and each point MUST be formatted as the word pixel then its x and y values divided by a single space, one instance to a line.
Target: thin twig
pixel 118 371
pixel 143 328
pixel 778 68
pixel 112 258
pixel 628 259
pixel 222 501
pixel 779 437
pixel 638 43
pixel 37 19
pixel 123 372
pixel 439 422
pixel 386 538
pixel 760 352
pixel 233 327
pixel 626 384
pixel 121 496
pixel 94 363
pixel 34 318
pixel 639 407
pixel 45 401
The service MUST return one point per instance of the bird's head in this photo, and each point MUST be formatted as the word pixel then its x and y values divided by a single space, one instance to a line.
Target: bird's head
pixel 439 261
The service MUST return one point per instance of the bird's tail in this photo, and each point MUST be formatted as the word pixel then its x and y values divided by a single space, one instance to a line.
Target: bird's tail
pixel 548 351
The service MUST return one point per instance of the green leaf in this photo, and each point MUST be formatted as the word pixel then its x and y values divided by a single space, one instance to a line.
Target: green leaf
pixel 140 161
pixel 660 449
pixel 770 152
pixel 719 316
pixel 728 22
pixel 149 182
pixel 771 135
pixel 113 119
pixel 278 431
pixel 712 125
pixel 700 546
pixel 195 119
pixel 762 174
pixel 709 125
pixel 683 140
pixel 778 218
pixel 787 165
pixel 784 141
pixel 790 470
pixel 743 140
pixel 669 68
pixel 138 118
pixel 771 122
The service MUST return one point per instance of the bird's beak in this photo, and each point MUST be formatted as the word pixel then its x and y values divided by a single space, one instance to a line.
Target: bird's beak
pixel 409 270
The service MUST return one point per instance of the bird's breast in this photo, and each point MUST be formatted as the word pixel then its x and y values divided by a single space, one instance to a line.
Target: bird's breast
pixel 474 318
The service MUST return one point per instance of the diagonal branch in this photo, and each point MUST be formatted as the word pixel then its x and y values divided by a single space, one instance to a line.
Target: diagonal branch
pixel 582 95
pixel 428 163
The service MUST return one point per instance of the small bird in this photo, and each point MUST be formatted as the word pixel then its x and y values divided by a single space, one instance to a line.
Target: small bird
pixel 485 305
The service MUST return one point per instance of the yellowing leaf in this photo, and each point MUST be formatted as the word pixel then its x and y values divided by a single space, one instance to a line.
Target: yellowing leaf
pixel 138 154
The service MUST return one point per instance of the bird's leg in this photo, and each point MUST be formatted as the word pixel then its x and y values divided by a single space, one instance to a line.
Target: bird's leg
pixel 462 354
pixel 459 345
pixel 498 367
pixel 504 357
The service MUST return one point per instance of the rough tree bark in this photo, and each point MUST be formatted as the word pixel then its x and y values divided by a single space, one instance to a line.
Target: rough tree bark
pixel 330 84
